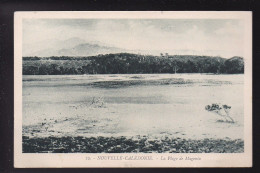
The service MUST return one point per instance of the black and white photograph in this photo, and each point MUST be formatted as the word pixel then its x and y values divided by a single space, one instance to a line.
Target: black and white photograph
pixel 117 86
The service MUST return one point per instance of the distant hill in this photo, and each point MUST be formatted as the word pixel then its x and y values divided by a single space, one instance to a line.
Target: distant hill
pixel 87 49
pixel 50 47
pixel 235 65
pixel 70 47
pixel 127 63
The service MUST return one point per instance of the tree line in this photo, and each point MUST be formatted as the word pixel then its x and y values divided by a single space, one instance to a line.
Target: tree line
pixel 126 63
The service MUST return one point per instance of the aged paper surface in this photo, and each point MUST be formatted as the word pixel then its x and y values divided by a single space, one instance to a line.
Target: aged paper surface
pixel 72 112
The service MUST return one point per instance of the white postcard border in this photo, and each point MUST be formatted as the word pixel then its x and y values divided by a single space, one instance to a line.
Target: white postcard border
pixel 37 160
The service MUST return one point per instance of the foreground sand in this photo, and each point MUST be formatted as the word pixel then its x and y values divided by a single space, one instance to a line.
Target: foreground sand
pixel 105 113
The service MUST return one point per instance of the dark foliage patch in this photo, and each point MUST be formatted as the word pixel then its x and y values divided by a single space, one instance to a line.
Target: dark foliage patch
pixel 125 63
pixel 129 145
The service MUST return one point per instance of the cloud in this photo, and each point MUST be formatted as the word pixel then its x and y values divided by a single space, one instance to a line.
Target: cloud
pixel 141 34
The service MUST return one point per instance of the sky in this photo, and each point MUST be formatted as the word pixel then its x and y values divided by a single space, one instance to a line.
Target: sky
pixel 221 37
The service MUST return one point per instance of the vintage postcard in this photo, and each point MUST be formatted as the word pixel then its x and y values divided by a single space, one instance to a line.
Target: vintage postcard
pixel 132 89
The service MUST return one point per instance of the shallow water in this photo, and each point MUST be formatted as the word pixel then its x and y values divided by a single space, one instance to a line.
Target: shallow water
pixel 131 104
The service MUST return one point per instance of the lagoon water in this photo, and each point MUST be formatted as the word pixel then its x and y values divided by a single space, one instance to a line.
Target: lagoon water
pixel 132 104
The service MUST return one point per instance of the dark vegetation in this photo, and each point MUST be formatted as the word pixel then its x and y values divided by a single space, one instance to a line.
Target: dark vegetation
pixel 119 84
pixel 129 145
pixel 221 110
pixel 125 63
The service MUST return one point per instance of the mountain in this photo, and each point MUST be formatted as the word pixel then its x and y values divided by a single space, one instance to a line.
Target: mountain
pixel 88 49
pixel 70 47
pixel 50 47
pixel 79 47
